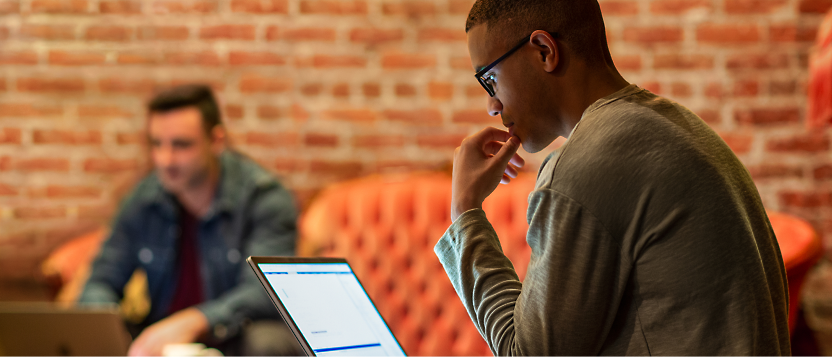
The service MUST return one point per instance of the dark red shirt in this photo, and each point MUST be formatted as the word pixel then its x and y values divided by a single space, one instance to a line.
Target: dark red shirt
pixel 189 281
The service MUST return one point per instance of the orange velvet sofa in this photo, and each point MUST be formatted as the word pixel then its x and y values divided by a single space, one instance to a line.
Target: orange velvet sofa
pixel 386 227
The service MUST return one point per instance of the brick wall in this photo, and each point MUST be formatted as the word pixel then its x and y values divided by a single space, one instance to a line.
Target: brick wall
pixel 324 90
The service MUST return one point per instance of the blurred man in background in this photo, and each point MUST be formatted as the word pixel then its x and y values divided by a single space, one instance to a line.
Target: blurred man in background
pixel 190 225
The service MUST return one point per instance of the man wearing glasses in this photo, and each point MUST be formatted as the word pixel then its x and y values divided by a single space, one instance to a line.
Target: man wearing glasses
pixel 648 235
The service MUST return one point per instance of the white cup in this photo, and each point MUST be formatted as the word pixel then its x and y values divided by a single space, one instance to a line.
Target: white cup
pixel 189 350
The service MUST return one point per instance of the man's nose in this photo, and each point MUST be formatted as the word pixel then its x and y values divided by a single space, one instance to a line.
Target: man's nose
pixel 164 156
pixel 494 106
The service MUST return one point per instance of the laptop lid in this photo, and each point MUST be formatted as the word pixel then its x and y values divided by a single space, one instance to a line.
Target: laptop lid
pixel 326 307
pixel 43 329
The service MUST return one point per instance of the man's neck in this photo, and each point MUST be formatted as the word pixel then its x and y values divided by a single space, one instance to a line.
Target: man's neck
pixel 197 200
pixel 596 85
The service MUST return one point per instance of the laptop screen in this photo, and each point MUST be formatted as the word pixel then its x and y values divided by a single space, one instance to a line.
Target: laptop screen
pixel 331 309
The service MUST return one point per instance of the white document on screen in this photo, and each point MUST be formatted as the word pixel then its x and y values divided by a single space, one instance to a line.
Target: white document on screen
pixel 331 310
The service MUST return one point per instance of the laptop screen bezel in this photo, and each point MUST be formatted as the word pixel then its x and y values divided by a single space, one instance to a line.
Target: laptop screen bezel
pixel 254 262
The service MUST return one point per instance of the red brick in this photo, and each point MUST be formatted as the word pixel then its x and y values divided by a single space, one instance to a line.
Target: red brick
pixel 2 84
pixel 253 83
pixel 10 136
pixel 272 140
pixel 5 163
pixel 60 191
pixel 743 7
pixel 39 212
pixel 473 116
pixel 133 138
pixel 163 33
pixel 787 87
pixel 408 61
pixel 375 35
pixel 805 199
pixel 333 7
pixel 340 169
pixel 463 63
pixel 311 89
pixel 227 32
pixel 714 90
pixel 618 7
pixel 260 6
pixel 405 90
pixel 680 61
pixel 709 116
pixel 287 165
pixel 48 32
pixel 40 84
pixel 184 6
pixel 727 34
pixel 628 63
pixel 792 33
pixel 678 7
pixel 236 58
pixel 439 140
pixel 475 91
pixel 96 212
pixel 123 7
pixel 18 57
pixel 299 113
pixel 4 33
pixel 63 58
pixel 305 34
pixel 108 165
pixel 652 86
pixel 202 58
pixel 772 171
pixel 746 88
pixel 739 143
pixel 409 8
pixel 440 90
pixel 442 35
pixel 59 6
pixel 122 85
pixel 814 142
pixel 234 111
pixel 377 141
pixel 814 6
pixel 66 137
pixel 103 111
pixel 320 140
pixel 43 164
pixel 460 7
pixel 822 172
pixel 7 190
pixel 269 112
pixel 9 6
pixel 653 34
pixel 426 116
pixel 767 116
pixel 108 33
pixel 29 110
pixel 353 115
pixel 336 61
pixel 371 89
pixel 757 61
pixel 341 90
pixel 143 57
pixel 680 90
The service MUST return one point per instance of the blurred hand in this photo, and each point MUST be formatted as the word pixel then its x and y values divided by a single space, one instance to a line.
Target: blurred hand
pixel 185 326
pixel 481 162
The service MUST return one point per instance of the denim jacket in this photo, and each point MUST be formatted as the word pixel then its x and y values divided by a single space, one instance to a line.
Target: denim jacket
pixel 252 214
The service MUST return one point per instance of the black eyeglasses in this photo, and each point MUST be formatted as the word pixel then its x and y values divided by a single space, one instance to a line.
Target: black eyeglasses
pixel 487 83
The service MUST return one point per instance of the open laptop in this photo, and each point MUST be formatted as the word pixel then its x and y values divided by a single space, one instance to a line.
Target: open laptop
pixel 45 329
pixel 326 307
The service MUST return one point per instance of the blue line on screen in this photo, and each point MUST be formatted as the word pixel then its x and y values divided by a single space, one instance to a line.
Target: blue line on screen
pixel 347 347
pixel 276 272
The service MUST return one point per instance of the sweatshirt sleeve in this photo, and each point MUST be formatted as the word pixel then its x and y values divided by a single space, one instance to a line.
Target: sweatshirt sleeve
pixel 572 289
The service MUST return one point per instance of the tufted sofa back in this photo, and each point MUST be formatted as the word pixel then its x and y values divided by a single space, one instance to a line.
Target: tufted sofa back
pixel 386 227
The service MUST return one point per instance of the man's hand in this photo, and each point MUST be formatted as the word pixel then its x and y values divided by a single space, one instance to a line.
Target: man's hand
pixel 481 162
pixel 185 326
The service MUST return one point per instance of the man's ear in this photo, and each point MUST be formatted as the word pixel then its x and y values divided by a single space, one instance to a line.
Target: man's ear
pixel 547 47
pixel 218 136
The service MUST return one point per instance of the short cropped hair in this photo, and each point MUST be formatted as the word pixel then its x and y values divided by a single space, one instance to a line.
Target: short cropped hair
pixel 577 22
pixel 189 95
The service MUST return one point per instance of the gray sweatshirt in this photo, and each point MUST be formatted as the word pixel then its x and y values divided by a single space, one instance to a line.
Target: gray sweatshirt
pixel 648 237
